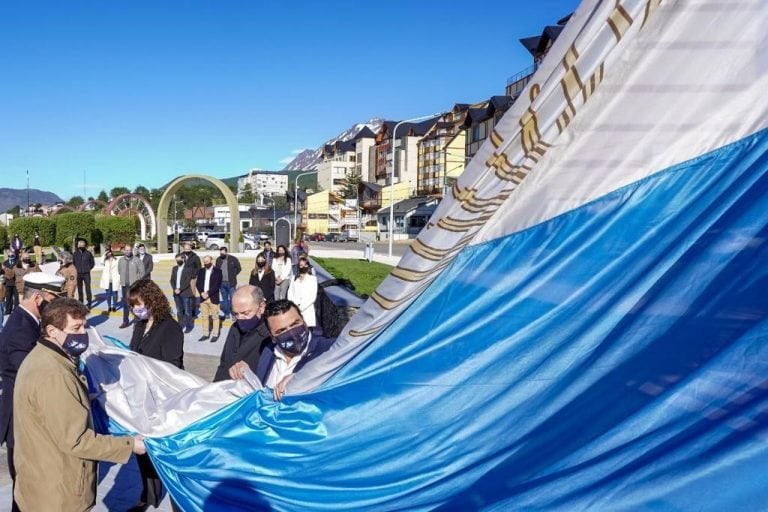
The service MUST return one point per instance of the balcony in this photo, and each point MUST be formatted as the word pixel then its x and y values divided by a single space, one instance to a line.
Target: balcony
pixel 517 82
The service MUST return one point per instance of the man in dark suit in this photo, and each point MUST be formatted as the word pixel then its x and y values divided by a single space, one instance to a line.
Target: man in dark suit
pixel 208 285
pixel 292 346
pixel 193 261
pixel 18 338
pixel 84 263
pixel 182 276
pixel 248 335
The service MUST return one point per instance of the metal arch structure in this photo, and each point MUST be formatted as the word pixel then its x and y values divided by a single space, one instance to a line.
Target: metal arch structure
pixel 61 209
pixel 93 202
pixel 165 203
pixel 126 203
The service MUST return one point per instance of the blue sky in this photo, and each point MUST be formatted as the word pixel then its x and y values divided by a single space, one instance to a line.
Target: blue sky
pixel 137 93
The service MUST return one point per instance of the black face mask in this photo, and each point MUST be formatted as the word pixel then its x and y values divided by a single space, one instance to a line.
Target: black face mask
pixel 82 248
pixel 303 270
pixel 207 265
pixel 179 262
pixel 261 264
pixel 223 255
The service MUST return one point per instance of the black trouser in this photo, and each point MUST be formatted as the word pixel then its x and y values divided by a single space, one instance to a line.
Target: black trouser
pixel 11 299
pixel 151 485
pixel 84 279
pixel 12 471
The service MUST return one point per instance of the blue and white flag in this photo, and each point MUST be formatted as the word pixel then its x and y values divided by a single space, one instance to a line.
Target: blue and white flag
pixel 582 325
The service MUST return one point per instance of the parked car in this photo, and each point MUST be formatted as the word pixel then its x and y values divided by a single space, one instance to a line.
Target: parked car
pixel 215 241
pixel 331 237
pixel 343 238
pixel 184 237
pixel 317 237
pixel 251 242
pixel 203 236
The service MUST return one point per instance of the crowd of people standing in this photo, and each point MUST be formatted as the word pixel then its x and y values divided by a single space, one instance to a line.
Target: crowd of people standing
pixel 271 336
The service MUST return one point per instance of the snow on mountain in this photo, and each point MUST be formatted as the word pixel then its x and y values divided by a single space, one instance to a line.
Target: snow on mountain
pixel 309 158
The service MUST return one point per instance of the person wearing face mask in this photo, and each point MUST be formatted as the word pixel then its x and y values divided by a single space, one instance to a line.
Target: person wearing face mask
pixel 18 338
pixel 57 448
pixel 147 261
pixel 130 270
pixel 208 283
pixel 24 266
pixel 303 291
pixel 268 252
pixel 11 295
pixel 182 276
pixel 292 347
pixel 110 280
pixel 84 263
pixel 283 270
pixel 157 335
pixel 68 271
pixel 247 337
pixel 230 268
pixel 192 260
pixel 16 245
pixel 37 246
pixel 263 277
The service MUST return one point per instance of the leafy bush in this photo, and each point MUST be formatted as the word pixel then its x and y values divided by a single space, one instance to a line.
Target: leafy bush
pixel 74 225
pixel 3 237
pixel 115 230
pixel 26 227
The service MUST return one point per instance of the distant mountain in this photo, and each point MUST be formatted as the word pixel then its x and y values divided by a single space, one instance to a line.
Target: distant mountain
pixel 10 197
pixel 309 158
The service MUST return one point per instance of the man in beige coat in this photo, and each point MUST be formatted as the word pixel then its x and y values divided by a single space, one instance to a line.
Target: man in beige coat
pixel 56 445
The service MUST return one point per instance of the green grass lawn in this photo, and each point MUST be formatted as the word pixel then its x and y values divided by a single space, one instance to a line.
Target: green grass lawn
pixel 365 277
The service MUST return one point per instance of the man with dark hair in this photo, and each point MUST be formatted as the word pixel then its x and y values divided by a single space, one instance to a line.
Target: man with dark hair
pixel 247 337
pixel 146 259
pixel 192 261
pixel 18 338
pixel 268 253
pixel 83 259
pixel 230 268
pixel 292 347
pixel 130 270
pixel 56 444
pixel 182 282
pixel 208 283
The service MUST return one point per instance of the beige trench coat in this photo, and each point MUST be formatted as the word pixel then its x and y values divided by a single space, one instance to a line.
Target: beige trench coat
pixel 56 447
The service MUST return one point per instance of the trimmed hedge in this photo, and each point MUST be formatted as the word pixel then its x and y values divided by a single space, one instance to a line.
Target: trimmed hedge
pixel 74 225
pixel 26 227
pixel 3 237
pixel 115 230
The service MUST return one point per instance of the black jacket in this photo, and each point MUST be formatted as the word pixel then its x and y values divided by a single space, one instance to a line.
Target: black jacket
pixel 193 261
pixel 149 264
pixel 187 275
pixel 242 347
pixel 233 267
pixel 164 341
pixel 317 346
pixel 83 261
pixel 266 283
pixel 213 285
pixel 19 337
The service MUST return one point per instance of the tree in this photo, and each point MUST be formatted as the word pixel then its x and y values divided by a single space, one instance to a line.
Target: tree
pixel 116 230
pixel 281 203
pixel 90 198
pixel 15 211
pixel 75 201
pixel 103 196
pixel 142 191
pixel 350 190
pixel 72 225
pixel 119 191
pixel 247 197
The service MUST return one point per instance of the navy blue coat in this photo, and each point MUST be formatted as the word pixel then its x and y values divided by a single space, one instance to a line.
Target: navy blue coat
pixel 213 285
pixel 19 337
pixel 317 346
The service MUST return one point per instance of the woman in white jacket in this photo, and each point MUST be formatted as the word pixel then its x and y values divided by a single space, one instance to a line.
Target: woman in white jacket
pixel 110 280
pixel 282 267
pixel 303 291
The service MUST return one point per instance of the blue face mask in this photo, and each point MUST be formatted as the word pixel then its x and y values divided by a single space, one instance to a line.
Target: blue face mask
pixel 141 312
pixel 248 324
pixel 75 344
pixel 294 340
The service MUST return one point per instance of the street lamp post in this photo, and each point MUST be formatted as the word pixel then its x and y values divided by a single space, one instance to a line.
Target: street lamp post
pixel 392 179
pixel 296 201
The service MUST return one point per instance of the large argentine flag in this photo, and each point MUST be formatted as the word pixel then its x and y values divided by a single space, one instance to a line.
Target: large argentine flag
pixel 581 326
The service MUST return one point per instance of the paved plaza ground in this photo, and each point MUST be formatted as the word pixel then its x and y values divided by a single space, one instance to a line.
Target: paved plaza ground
pixel 119 485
